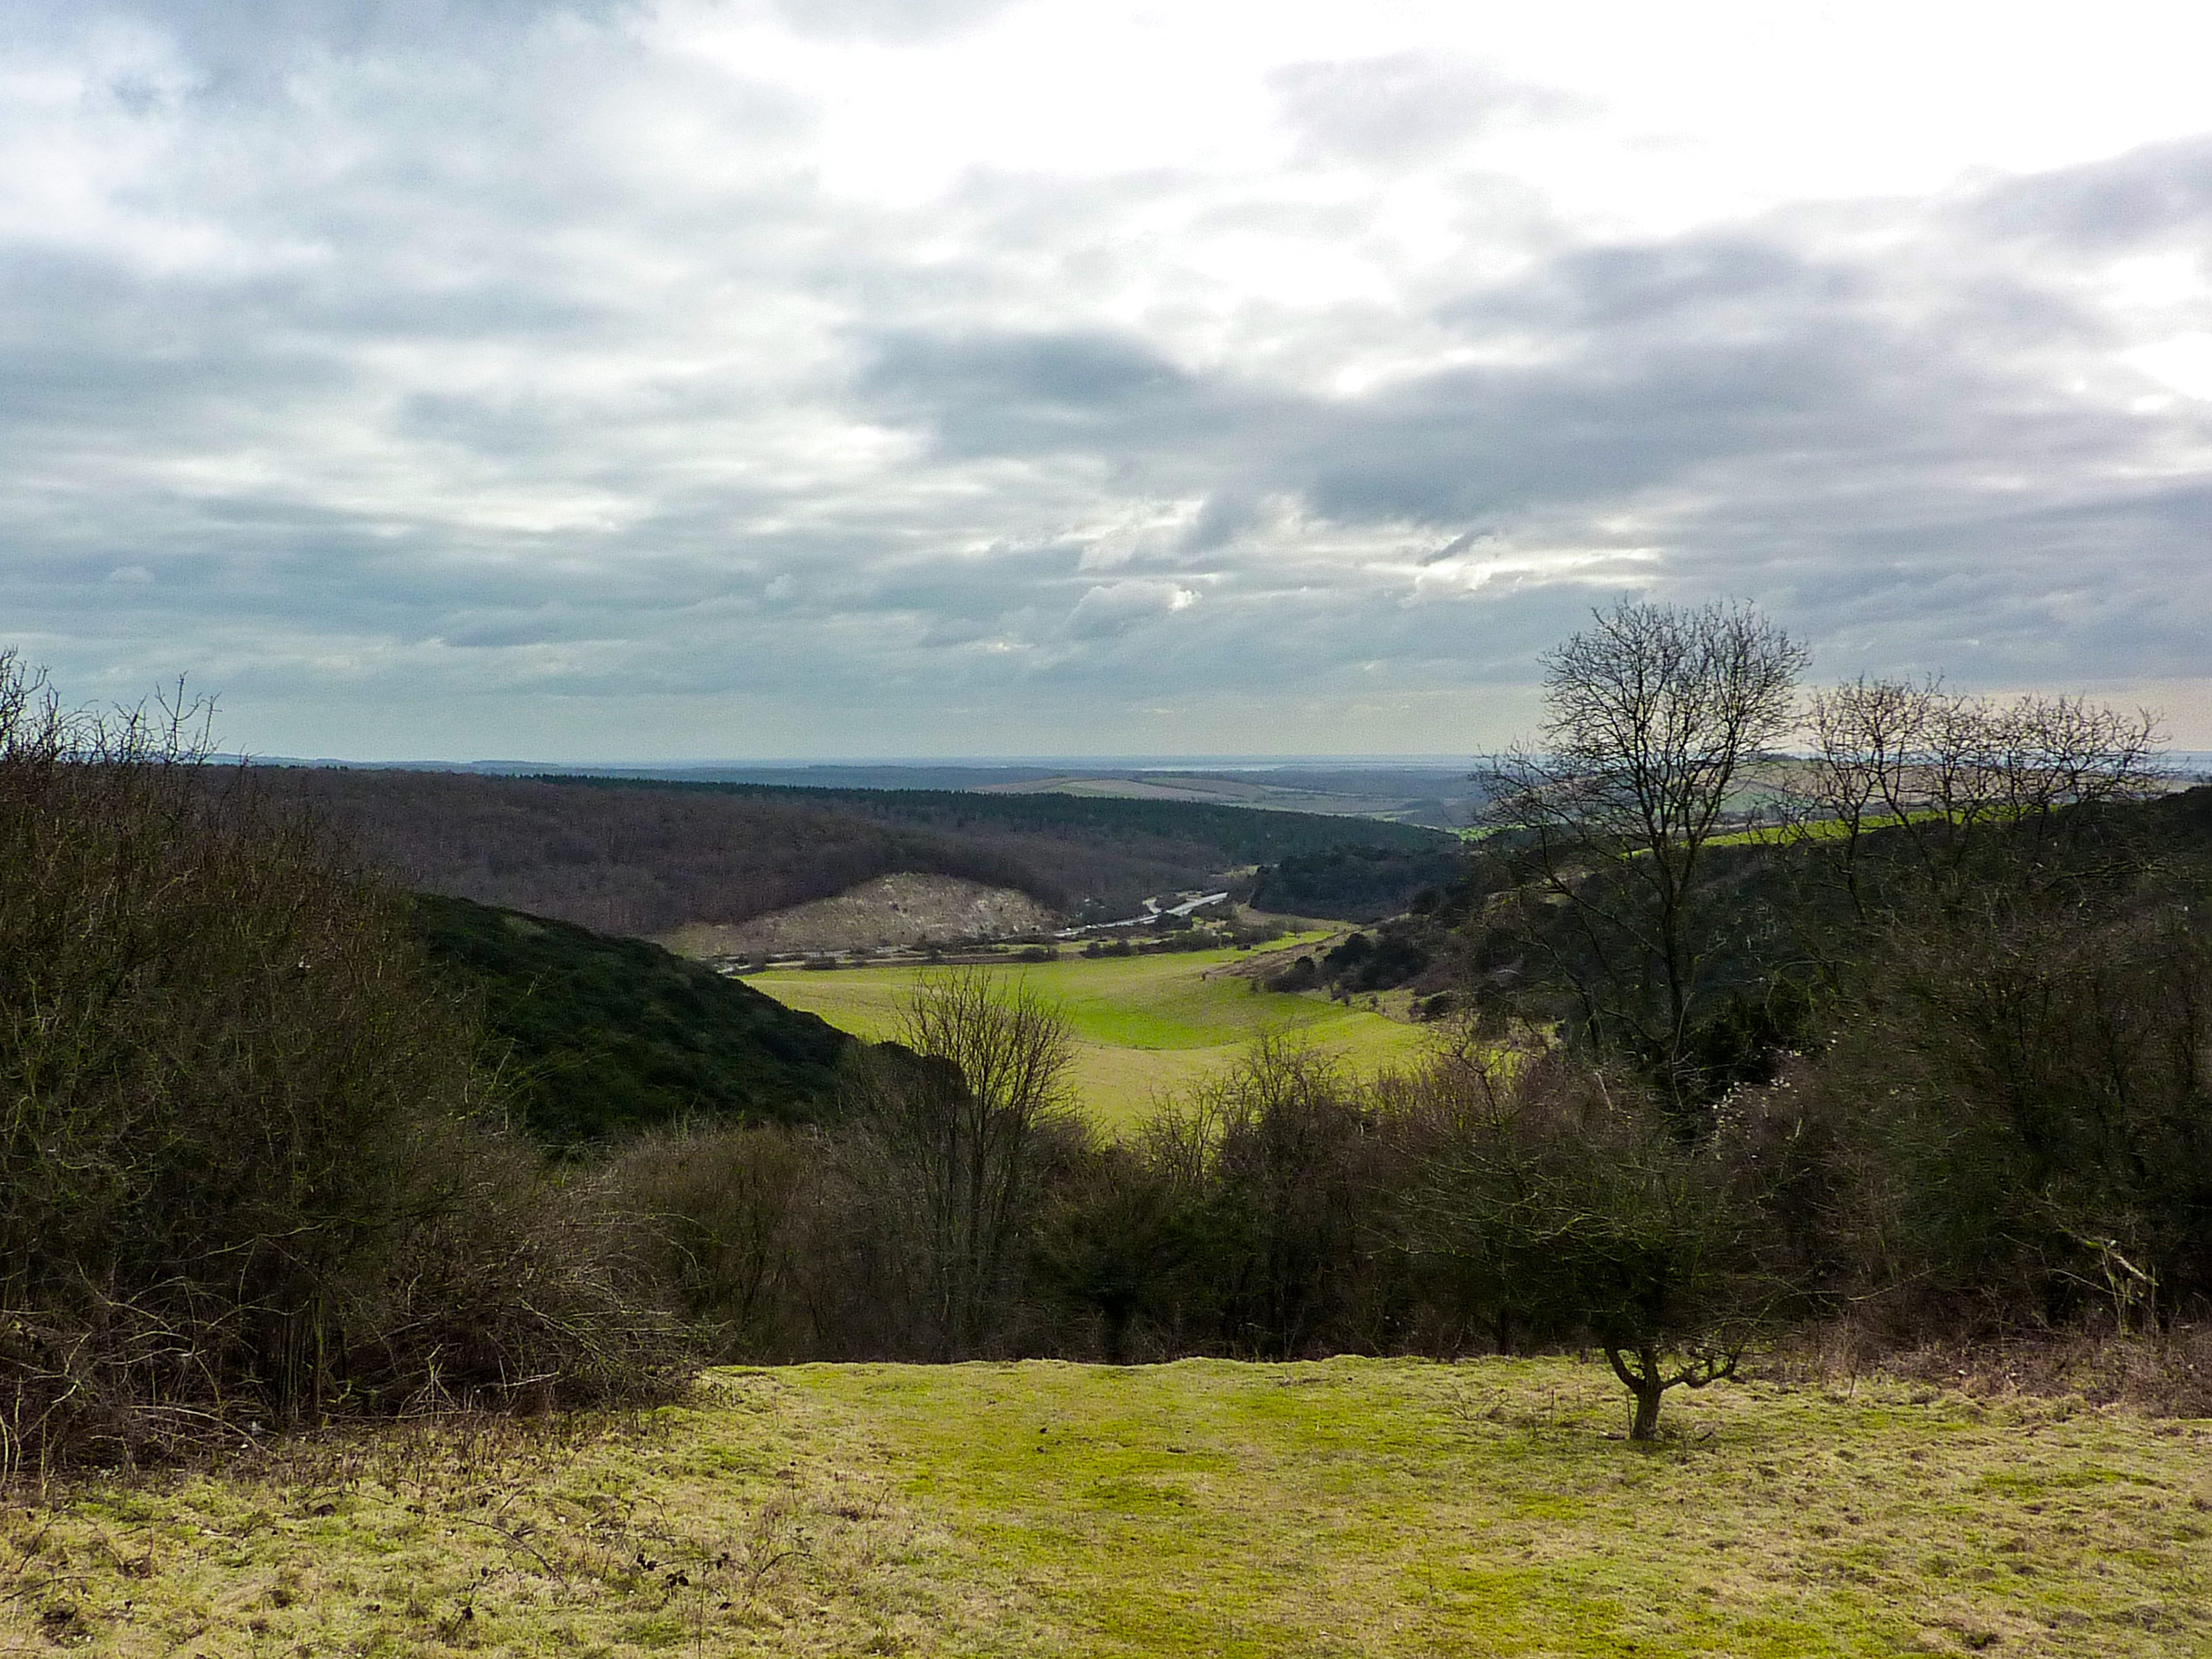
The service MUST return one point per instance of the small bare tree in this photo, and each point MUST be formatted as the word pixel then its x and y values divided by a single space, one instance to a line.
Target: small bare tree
pixel 1654 717
pixel 961 1115
pixel 1580 1217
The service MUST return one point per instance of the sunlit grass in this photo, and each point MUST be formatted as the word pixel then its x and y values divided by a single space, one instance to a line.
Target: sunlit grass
pixel 1145 1025
pixel 1351 1507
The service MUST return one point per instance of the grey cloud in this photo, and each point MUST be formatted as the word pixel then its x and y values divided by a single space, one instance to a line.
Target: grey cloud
pixel 244 41
pixel 1226 515
pixel 1627 402
pixel 1111 608
pixel 2150 192
pixel 1704 282
pixel 1398 108
pixel 984 391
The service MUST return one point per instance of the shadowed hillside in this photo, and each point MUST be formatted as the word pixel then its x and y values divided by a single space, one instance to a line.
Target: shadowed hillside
pixel 604 1037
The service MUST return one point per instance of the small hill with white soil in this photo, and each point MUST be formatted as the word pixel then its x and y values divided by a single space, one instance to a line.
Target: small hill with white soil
pixel 902 909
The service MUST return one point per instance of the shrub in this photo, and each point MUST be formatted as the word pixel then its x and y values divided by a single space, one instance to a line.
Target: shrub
pixel 249 1170
pixel 723 1213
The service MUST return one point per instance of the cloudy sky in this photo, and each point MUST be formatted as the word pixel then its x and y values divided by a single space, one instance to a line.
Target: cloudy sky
pixel 840 378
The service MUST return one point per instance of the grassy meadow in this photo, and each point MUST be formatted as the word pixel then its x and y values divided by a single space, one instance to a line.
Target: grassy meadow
pixel 1144 1025
pixel 1349 1506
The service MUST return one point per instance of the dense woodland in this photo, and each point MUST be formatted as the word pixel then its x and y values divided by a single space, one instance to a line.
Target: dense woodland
pixel 1353 884
pixel 1910 1039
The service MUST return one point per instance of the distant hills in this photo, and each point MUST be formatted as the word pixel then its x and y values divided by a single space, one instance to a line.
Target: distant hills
pixel 1440 792
pixel 644 857
pixel 1441 799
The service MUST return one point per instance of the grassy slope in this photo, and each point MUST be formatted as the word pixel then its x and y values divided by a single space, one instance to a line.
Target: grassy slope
pixel 1145 1025
pixel 1349 1506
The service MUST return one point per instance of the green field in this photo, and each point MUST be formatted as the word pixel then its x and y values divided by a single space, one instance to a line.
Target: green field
pixel 1144 1025
pixel 1350 1507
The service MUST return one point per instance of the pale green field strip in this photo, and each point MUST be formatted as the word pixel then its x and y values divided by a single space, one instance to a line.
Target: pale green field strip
pixel 1145 1025
pixel 1352 1507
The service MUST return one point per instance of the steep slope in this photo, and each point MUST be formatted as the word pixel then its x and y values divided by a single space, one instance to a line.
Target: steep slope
pixel 1355 884
pixel 606 1036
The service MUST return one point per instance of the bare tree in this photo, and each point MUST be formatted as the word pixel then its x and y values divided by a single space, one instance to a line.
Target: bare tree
pixel 961 1116
pixel 1576 1215
pixel 1939 769
pixel 1654 717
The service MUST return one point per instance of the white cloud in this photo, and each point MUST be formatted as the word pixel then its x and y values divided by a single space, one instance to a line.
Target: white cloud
pixel 2184 362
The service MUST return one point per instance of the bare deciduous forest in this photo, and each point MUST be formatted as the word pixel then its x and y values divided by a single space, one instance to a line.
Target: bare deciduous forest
pixel 623 856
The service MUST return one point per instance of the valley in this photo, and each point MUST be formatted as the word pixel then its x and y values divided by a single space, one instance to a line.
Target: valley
pixel 1145 1026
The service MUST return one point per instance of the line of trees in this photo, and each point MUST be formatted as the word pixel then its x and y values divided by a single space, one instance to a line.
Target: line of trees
pixel 1281 1211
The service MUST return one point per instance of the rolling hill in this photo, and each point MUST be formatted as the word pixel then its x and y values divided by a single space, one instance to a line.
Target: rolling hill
pixel 646 858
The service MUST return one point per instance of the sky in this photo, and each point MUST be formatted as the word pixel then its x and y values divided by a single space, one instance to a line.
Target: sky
pixel 636 382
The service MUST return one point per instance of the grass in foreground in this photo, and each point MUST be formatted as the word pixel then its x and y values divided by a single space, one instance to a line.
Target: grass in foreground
pixel 1346 1508
pixel 1144 1025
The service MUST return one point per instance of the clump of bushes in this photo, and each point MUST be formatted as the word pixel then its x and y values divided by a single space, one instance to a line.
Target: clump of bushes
pixel 252 1172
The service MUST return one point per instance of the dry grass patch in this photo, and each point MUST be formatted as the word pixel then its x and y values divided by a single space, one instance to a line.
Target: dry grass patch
pixel 1350 1507
pixel 737 1524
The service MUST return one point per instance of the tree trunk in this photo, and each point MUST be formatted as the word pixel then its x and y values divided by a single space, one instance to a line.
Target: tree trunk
pixel 1644 1382
pixel 1646 1426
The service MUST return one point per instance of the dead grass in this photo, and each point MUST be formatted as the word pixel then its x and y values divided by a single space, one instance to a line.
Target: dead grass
pixel 2168 1375
pixel 1346 1506
pixel 736 1524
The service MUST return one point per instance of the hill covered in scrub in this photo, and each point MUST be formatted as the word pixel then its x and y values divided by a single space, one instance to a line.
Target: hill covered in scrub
pixel 1355 884
pixel 644 858
pixel 598 1038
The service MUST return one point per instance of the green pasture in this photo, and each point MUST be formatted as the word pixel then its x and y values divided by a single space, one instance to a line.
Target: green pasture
pixel 1144 1026
pixel 1344 1508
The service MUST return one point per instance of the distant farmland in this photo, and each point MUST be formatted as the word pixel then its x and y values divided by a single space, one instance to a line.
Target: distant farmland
pixel 1146 1025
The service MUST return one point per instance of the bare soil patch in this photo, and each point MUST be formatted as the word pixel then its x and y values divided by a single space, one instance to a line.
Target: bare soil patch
pixel 905 909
